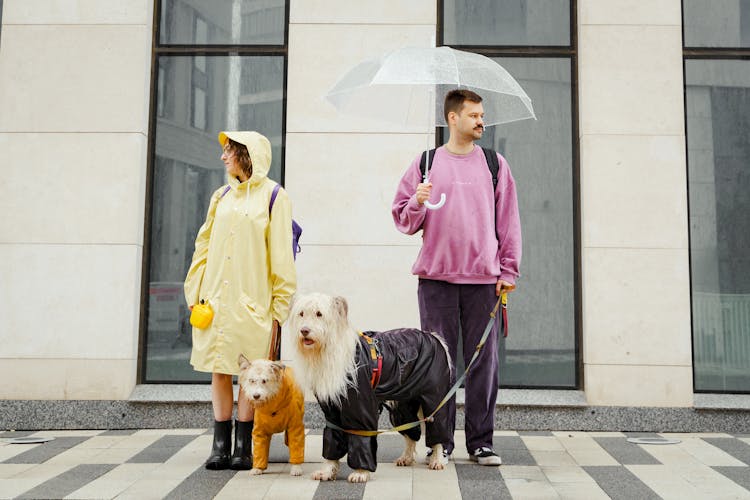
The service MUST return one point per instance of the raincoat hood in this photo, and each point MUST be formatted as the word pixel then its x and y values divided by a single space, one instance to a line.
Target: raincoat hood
pixel 259 148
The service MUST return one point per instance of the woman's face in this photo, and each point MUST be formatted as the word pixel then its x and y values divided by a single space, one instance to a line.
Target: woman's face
pixel 231 164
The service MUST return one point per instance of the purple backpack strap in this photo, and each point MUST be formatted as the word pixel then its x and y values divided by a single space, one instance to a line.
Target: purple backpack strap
pixel 225 192
pixel 273 197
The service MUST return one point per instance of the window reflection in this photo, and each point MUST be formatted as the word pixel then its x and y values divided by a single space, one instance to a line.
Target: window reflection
pixel 507 22
pixel 718 135
pixel 709 23
pixel 223 22
pixel 541 347
pixel 234 93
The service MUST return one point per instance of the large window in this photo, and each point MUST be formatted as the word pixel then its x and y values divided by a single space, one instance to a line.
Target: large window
pixel 534 40
pixel 217 66
pixel 717 88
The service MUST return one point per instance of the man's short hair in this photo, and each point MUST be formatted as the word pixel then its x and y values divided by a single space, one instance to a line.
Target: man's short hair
pixel 454 101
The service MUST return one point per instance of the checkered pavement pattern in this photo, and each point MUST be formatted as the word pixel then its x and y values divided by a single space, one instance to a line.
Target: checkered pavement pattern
pixel 168 463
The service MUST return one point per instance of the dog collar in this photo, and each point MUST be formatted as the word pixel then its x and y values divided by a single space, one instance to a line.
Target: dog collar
pixel 376 357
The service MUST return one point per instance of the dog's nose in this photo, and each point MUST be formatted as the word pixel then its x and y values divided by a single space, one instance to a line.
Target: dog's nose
pixel 305 331
pixel 256 396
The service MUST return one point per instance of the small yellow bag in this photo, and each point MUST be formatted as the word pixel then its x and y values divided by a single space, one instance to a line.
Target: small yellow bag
pixel 202 315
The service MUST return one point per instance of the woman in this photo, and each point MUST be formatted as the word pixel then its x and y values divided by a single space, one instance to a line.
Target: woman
pixel 243 267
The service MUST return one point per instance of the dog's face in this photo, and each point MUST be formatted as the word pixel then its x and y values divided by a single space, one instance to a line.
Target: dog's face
pixel 315 320
pixel 260 379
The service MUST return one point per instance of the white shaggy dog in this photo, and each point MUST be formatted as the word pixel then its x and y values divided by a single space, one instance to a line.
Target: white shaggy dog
pixel 341 368
pixel 279 407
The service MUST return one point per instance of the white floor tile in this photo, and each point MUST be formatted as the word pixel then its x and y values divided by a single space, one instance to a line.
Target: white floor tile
pixel 113 482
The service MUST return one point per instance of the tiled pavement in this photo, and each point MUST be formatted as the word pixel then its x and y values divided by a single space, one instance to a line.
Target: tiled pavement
pixel 167 463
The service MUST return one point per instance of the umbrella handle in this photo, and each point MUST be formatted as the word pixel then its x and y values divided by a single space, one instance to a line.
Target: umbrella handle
pixel 435 206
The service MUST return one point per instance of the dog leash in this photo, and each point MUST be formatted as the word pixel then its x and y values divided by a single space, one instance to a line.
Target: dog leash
pixel 502 300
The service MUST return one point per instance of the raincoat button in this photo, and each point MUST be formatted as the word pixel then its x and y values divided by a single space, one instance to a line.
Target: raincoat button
pixel 226 282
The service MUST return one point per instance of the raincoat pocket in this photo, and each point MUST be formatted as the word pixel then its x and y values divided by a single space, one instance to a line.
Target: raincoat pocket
pixel 256 313
pixel 406 360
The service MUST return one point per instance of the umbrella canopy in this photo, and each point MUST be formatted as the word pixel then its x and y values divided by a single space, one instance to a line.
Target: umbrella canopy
pixel 408 85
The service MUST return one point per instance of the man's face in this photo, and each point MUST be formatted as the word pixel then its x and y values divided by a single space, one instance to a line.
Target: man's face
pixel 470 120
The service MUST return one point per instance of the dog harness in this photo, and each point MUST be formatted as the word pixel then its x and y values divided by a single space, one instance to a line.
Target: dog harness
pixel 377 359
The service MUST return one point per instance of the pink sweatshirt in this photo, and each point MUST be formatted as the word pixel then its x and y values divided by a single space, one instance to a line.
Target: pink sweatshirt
pixel 459 244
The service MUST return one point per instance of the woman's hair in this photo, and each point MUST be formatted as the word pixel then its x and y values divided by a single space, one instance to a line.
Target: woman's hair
pixel 241 155
pixel 454 101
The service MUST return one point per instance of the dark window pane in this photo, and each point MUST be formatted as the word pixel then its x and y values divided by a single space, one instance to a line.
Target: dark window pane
pixel 187 170
pixel 718 136
pixel 222 22
pixel 709 23
pixel 507 22
pixel 540 350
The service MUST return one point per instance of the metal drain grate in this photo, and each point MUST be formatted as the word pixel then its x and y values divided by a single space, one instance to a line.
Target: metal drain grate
pixel 653 440
pixel 27 440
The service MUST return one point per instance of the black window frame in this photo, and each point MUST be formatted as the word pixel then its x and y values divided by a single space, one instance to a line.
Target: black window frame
pixel 166 49
pixel 546 51
pixel 705 54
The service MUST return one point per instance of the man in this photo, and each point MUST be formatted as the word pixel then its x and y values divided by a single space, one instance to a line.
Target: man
pixel 471 252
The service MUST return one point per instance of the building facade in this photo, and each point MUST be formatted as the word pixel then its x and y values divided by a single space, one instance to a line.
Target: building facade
pixel 633 182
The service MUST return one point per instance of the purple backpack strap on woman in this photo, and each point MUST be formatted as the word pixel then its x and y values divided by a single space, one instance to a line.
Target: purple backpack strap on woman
pixel 296 228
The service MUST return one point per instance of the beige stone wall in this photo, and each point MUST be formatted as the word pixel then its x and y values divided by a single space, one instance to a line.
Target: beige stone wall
pixel 341 170
pixel 74 96
pixel 636 302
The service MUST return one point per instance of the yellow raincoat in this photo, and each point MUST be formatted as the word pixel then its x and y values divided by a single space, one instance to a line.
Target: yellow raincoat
pixel 243 265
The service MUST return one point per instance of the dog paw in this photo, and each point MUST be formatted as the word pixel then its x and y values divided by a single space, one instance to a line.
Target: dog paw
pixel 435 464
pixel 405 460
pixel 256 472
pixel 296 470
pixel 328 472
pixel 323 475
pixel 359 476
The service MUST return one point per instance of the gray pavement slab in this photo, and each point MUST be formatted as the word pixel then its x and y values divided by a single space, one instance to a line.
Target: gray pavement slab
pixel 512 450
pixel 475 481
pixel 626 453
pixel 42 453
pixel 69 481
pixel 161 450
pixel 620 484
pixel 201 484
pixel 738 449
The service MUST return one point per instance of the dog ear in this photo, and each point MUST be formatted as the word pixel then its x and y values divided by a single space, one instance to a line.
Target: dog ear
pixel 341 306
pixel 278 366
pixel 243 361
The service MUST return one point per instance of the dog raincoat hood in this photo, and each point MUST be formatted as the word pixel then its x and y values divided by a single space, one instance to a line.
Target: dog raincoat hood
pixel 243 265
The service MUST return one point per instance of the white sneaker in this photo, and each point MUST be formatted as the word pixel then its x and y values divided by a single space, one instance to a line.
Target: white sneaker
pixel 485 456
pixel 443 459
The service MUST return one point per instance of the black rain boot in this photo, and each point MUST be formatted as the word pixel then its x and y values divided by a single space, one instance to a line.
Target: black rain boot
pixel 219 458
pixel 242 458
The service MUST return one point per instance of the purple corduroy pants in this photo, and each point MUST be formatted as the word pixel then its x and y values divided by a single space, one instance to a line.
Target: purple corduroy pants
pixel 443 307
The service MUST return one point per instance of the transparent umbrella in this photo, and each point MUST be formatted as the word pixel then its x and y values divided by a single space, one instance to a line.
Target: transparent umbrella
pixel 407 86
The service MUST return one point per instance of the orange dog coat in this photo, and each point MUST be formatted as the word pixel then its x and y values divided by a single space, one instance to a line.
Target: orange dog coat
pixel 283 413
